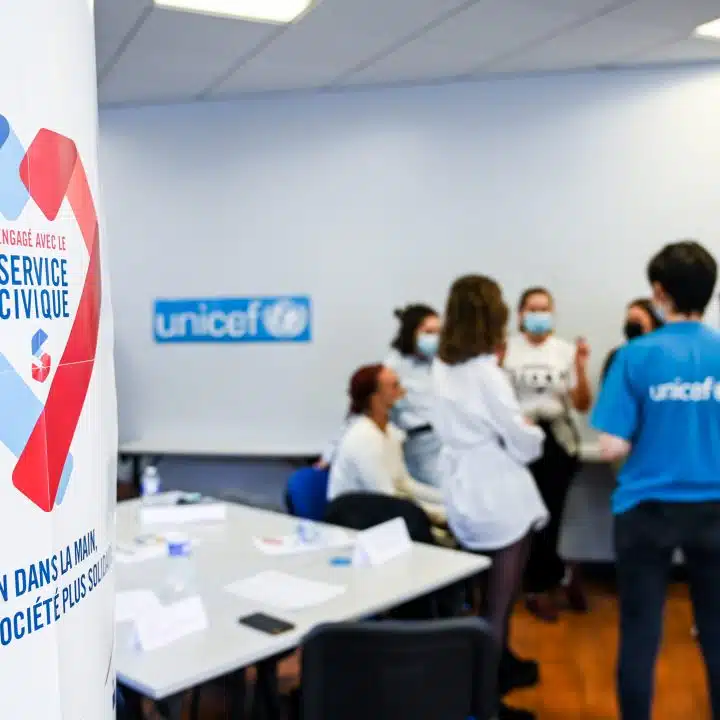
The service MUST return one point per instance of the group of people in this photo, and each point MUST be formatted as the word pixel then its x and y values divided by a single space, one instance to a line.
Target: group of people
pixel 478 428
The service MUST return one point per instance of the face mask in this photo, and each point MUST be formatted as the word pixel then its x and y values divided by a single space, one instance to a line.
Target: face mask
pixel 633 330
pixel 659 312
pixel 538 323
pixel 427 344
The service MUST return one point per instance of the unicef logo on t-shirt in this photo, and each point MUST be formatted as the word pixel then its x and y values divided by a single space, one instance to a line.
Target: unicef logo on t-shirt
pixel 252 319
pixel 286 319
pixel 680 390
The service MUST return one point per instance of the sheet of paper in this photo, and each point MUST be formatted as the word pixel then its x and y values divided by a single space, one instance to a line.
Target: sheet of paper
pixel 326 539
pixel 166 625
pixel 172 514
pixel 382 543
pixel 284 591
pixel 132 604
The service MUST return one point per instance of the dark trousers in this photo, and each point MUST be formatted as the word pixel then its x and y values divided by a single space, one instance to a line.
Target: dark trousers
pixel 553 473
pixel 646 538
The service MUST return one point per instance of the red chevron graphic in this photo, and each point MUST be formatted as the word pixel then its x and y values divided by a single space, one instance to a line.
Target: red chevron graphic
pixel 52 171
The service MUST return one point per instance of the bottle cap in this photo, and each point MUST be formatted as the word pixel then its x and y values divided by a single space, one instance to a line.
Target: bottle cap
pixel 178 544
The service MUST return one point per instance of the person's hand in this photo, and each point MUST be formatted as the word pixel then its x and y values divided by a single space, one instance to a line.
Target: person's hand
pixel 528 421
pixel 582 353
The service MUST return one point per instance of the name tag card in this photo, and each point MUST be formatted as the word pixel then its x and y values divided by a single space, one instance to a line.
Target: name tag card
pixel 382 543
pixel 154 630
pixel 176 514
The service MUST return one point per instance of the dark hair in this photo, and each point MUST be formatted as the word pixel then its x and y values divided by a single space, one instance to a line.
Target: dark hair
pixel 527 294
pixel 363 385
pixel 687 273
pixel 648 308
pixel 475 320
pixel 411 318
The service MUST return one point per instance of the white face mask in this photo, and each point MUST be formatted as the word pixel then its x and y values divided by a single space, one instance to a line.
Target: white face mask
pixel 427 344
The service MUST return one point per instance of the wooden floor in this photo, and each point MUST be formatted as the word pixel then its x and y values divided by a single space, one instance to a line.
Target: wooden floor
pixel 577 659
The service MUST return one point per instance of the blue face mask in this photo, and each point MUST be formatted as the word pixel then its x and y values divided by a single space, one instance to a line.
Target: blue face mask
pixel 427 344
pixel 538 323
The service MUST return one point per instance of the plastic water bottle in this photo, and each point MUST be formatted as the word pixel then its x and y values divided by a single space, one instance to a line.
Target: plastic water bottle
pixel 308 532
pixel 149 482
pixel 180 565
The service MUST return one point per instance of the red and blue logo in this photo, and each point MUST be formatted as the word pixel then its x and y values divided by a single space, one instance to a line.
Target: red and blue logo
pixel 41 361
pixel 49 172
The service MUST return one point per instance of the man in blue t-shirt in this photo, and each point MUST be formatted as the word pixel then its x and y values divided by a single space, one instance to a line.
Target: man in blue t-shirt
pixel 660 409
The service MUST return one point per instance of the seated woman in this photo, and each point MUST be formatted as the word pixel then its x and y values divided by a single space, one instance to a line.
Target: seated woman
pixel 411 354
pixel 369 457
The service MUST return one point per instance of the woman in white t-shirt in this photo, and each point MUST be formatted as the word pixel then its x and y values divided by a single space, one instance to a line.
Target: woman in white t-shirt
pixel 492 503
pixel 369 457
pixel 551 381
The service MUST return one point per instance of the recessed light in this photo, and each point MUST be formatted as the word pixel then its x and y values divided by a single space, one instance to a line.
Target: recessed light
pixel 709 30
pixel 269 11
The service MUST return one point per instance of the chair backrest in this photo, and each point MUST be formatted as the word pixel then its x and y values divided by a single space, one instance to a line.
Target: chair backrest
pixel 306 494
pixel 439 670
pixel 360 511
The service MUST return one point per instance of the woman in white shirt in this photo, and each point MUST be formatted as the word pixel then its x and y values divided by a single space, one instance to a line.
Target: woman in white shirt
pixel 369 457
pixel 411 355
pixel 551 380
pixel 492 503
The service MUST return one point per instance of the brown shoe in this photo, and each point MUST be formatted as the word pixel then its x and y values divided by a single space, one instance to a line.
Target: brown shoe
pixel 542 607
pixel 575 593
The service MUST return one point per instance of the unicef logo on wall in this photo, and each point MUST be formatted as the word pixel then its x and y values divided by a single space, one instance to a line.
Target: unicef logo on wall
pixel 251 319
pixel 286 319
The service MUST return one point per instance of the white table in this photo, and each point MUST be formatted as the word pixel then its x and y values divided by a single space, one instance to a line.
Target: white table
pixel 225 553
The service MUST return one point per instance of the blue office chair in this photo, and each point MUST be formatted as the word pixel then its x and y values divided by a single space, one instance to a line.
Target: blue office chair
pixel 306 493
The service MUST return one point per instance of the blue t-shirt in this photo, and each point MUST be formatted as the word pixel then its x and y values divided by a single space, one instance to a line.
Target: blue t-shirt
pixel 662 395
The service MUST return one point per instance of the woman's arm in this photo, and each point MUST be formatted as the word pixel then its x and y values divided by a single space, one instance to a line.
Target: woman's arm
pixel 523 440
pixel 581 393
pixel 409 486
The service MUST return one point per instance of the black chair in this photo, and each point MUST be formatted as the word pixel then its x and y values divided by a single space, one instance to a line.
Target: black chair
pixel 360 511
pixel 439 670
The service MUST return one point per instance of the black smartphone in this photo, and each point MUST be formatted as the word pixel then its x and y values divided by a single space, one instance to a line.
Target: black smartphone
pixel 266 623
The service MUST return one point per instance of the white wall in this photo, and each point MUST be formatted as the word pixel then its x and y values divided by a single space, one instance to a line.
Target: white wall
pixel 371 199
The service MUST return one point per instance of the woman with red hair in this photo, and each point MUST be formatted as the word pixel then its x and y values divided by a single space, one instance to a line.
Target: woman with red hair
pixel 370 455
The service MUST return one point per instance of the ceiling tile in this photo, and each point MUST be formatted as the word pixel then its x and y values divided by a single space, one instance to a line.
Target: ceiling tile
pixel 338 35
pixel 680 15
pixel 693 50
pixel 473 38
pixel 604 41
pixel 113 20
pixel 179 54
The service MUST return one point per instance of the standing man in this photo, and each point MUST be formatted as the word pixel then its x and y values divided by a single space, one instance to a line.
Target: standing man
pixel 660 408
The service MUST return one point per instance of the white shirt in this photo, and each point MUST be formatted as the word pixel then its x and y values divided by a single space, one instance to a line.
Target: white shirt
pixel 369 459
pixel 543 375
pixel 415 376
pixel 490 496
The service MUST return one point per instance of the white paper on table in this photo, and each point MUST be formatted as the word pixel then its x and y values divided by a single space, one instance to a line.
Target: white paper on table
pixel 132 604
pixel 382 543
pixel 161 627
pixel 284 591
pixel 326 539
